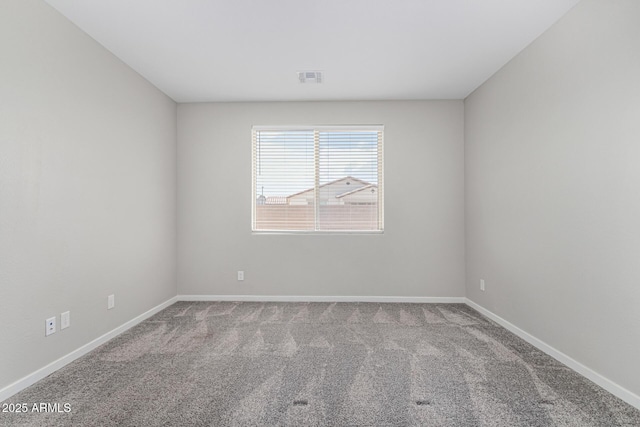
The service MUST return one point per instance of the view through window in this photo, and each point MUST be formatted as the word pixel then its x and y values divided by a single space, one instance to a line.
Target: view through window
pixel 317 179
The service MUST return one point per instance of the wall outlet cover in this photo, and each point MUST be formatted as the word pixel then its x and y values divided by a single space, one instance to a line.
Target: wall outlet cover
pixel 50 326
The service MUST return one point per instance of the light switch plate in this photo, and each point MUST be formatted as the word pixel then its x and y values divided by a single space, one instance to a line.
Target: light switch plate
pixel 65 320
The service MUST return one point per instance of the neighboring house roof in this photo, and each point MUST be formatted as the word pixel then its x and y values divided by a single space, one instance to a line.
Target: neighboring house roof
pixel 348 193
pixel 350 178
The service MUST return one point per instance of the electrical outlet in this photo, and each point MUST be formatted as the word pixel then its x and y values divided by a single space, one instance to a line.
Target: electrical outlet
pixel 240 275
pixel 482 284
pixel 50 326
pixel 65 320
pixel 111 302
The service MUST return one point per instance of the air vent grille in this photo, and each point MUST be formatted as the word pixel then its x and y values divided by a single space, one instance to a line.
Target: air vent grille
pixel 310 76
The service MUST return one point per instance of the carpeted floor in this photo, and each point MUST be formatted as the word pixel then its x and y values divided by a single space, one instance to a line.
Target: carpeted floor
pixel 319 364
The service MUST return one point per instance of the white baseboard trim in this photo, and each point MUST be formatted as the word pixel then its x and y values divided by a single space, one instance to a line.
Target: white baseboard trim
pixel 613 388
pixel 320 298
pixel 36 376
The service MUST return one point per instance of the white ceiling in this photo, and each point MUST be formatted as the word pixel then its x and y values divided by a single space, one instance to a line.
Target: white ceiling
pixel 250 50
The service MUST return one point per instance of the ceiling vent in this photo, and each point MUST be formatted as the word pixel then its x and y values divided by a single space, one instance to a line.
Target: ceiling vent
pixel 310 76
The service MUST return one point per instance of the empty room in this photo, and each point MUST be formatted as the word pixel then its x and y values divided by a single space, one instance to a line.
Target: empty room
pixel 337 213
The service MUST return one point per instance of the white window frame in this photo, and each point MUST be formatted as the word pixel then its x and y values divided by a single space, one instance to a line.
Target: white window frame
pixel 318 128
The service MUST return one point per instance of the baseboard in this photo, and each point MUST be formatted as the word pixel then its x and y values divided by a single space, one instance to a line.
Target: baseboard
pixel 613 388
pixel 36 376
pixel 321 298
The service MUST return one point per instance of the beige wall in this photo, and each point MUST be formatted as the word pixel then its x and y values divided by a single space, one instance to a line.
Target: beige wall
pixel 421 252
pixel 87 188
pixel 552 189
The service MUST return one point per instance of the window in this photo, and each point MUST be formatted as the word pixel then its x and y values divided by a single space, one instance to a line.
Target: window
pixel 317 179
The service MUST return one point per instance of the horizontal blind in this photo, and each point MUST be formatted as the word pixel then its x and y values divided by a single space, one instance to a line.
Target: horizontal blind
pixel 283 166
pixel 349 176
pixel 317 179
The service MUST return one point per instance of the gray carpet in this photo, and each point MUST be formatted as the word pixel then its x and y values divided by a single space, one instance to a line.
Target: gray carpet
pixel 320 364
